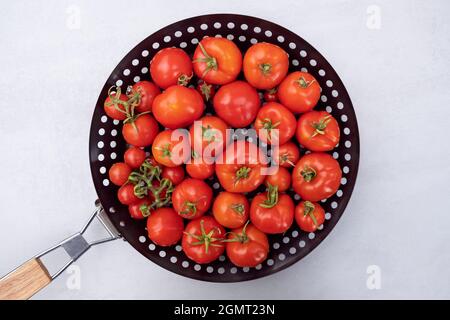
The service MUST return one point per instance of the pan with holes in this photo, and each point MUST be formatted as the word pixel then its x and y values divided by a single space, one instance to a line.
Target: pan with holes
pixel 106 145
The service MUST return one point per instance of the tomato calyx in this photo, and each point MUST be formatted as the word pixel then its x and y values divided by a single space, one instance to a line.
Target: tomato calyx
pixel 208 133
pixel 242 173
pixel 190 209
pixel 206 239
pixel 206 90
pixel 265 68
pixel 308 173
pixel 285 158
pixel 309 211
pixel 145 210
pixel 184 79
pixel 272 91
pixel 272 197
pixel 239 208
pixel 165 150
pixel 211 62
pixel 268 125
pixel 320 126
pixel 239 237
pixel 304 83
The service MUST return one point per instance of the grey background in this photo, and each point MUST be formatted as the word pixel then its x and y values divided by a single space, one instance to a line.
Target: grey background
pixel 398 78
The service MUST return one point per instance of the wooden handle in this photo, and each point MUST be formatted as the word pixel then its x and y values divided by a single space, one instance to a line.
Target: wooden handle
pixel 25 281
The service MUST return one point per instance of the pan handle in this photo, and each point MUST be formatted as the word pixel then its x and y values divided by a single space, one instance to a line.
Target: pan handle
pixel 26 280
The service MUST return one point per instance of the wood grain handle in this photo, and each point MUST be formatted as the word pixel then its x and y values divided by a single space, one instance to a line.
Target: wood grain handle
pixel 25 281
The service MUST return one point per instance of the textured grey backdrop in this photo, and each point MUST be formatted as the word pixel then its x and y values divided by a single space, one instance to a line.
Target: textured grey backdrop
pixel 56 55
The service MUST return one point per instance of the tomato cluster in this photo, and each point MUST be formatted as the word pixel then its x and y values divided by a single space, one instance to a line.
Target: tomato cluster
pixel 166 185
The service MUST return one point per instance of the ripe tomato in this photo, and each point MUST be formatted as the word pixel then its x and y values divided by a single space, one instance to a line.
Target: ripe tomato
pixel 174 174
pixel 272 212
pixel 118 173
pixel 265 65
pixel 280 179
pixel 247 246
pixel 275 116
pixel 134 157
pixel 171 152
pixel 217 60
pixel 171 66
pixel 178 107
pixel 286 155
pixel 237 103
pixel 299 92
pixel 165 227
pixel 208 136
pixel 126 195
pixel 140 209
pixel 202 240
pixel 318 131
pixel 240 169
pixel 198 168
pixel 271 95
pixel 192 198
pixel 231 209
pixel 115 103
pixel 206 90
pixel 141 131
pixel 316 176
pixel 146 91
pixel 309 215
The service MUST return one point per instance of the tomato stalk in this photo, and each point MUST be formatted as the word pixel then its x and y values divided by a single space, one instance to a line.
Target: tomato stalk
pixel 272 197
pixel 309 211
pixel 320 126
pixel 242 173
pixel 190 209
pixel 184 79
pixel 205 239
pixel 211 62
pixel 239 237
pixel 304 83
pixel 268 125
pixel 285 158
pixel 308 173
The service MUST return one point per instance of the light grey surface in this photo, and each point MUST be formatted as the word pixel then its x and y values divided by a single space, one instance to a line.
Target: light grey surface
pixel 397 76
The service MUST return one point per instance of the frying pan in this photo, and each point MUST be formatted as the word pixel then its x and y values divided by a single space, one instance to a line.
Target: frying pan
pixel 106 146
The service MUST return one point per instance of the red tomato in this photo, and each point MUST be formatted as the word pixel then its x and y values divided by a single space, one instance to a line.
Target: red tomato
pixel 115 103
pixel 171 148
pixel 274 116
pixel 247 246
pixel 126 195
pixel 165 227
pixel 171 66
pixel 299 92
pixel 134 157
pixel 141 131
pixel 140 209
pixel 145 92
pixel 178 107
pixel 202 240
pixel 231 209
pixel 192 198
pixel 286 155
pixel 118 173
pixel 198 168
pixel 206 90
pixel 174 174
pixel 241 167
pixel 208 136
pixel 309 216
pixel 265 65
pixel 272 212
pixel 237 103
pixel 318 131
pixel 280 179
pixel 217 60
pixel 316 176
pixel 271 95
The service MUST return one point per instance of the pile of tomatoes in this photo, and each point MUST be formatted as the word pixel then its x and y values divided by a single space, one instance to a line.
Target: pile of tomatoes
pixel 246 90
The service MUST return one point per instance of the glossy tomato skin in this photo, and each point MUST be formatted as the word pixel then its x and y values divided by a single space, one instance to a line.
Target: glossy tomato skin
pixel 134 157
pixel 206 90
pixel 199 169
pixel 142 133
pixel 299 92
pixel 192 198
pixel 250 250
pixel 111 110
pixel 208 136
pixel 140 209
pixel 241 176
pixel 170 66
pixel 265 65
pixel 286 155
pixel 147 92
pixel 178 107
pixel 174 174
pixel 171 152
pixel 303 215
pixel 237 103
pixel 126 195
pixel 197 252
pixel 281 178
pixel 165 227
pixel 231 210
pixel 274 116
pixel 318 131
pixel 118 173
pixel 316 176
pixel 223 54
pixel 277 219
